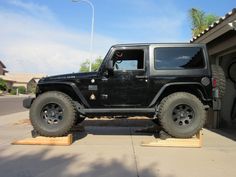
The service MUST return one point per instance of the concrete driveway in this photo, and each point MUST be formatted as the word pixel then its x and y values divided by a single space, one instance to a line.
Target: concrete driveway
pixel 105 151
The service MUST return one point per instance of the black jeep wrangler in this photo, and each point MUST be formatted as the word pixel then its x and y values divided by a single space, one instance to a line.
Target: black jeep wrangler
pixel 173 83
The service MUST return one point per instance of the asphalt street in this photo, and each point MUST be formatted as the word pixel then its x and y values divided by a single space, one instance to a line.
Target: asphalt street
pixel 10 105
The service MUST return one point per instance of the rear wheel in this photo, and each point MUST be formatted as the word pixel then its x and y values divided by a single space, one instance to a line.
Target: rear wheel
pixel 53 114
pixel 182 114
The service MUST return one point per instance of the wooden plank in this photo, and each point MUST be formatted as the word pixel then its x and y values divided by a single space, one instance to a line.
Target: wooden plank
pixel 194 142
pixel 41 140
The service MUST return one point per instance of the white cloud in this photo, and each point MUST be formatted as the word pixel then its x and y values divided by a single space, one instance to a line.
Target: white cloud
pixel 33 8
pixel 162 29
pixel 163 21
pixel 32 44
pixel 32 39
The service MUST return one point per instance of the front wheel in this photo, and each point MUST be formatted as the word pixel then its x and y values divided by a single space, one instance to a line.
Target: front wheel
pixel 53 114
pixel 182 114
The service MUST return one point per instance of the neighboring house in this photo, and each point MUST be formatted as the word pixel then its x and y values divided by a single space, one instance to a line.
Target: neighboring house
pixel 22 79
pixel 2 68
pixel 31 85
pixel 9 84
pixel 220 39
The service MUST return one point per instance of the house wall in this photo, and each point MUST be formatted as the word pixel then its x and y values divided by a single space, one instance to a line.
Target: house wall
pixel 230 94
pixel 1 70
pixel 222 52
pixel 17 84
pixel 220 39
pixel 9 85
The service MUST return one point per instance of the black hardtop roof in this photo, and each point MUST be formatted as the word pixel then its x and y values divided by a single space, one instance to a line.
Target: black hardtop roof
pixel 166 44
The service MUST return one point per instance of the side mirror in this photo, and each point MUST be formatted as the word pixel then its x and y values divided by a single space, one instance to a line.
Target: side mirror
pixel 110 66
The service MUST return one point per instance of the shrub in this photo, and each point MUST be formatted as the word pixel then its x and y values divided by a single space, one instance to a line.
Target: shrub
pixel 21 90
pixel 13 91
pixel 3 85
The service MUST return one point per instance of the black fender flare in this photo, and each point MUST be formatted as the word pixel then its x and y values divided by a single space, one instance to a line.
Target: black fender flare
pixel 164 87
pixel 74 88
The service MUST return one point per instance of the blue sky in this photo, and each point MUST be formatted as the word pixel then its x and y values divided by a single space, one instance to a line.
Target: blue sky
pixel 52 36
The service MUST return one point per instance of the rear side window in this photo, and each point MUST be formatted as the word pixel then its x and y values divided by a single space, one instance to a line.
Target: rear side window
pixel 178 58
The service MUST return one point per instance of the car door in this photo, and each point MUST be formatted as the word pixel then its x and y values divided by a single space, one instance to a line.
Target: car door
pixel 128 84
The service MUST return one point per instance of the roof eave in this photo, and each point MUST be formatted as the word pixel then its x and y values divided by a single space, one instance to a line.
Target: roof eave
pixel 216 29
pixel 1 63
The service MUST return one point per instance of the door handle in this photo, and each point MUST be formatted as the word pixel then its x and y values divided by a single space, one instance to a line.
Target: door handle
pixel 141 77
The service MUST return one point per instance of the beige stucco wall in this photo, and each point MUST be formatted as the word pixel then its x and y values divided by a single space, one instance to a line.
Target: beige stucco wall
pixel 1 70
pixel 9 84
pixel 20 84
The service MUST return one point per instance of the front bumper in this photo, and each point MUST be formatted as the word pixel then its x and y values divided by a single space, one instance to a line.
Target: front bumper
pixel 28 102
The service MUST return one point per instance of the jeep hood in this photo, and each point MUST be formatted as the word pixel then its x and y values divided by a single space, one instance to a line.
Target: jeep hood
pixel 68 77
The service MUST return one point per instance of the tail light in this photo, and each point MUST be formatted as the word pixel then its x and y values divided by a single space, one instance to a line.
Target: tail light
pixel 215 90
pixel 214 82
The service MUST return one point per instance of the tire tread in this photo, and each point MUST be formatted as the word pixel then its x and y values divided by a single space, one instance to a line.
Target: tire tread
pixel 164 107
pixel 70 122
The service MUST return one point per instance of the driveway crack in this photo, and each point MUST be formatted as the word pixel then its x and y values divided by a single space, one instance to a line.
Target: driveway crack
pixel 134 153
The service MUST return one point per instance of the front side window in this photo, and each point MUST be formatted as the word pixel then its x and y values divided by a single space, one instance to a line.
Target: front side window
pixel 178 58
pixel 128 60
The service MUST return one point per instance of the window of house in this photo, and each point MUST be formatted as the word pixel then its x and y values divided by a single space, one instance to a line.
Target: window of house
pixel 178 58
pixel 128 59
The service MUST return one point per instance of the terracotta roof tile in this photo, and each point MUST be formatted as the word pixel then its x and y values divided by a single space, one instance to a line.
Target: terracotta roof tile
pixel 21 77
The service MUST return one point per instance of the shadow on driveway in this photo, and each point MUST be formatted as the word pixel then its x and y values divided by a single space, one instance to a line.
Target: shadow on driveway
pixel 111 127
pixel 44 163
pixel 229 133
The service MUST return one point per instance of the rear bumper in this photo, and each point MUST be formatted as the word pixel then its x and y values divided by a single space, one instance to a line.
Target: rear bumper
pixel 28 102
pixel 216 99
pixel 216 104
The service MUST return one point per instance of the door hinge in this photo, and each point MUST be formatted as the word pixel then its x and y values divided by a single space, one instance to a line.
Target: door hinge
pixel 104 96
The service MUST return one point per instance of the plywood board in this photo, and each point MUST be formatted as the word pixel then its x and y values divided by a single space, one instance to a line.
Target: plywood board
pixel 41 140
pixel 194 142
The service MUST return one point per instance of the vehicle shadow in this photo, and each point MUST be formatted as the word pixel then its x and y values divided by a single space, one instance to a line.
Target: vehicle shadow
pixel 134 127
pixel 229 133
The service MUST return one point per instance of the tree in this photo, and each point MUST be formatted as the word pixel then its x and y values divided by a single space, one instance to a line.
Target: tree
pixel 200 20
pixel 3 85
pixel 84 67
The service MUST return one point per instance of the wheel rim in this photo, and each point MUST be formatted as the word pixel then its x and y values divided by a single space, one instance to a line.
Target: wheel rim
pixel 52 114
pixel 183 115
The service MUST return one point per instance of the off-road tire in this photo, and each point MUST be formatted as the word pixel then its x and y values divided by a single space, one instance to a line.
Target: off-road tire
pixel 69 114
pixel 218 74
pixel 165 113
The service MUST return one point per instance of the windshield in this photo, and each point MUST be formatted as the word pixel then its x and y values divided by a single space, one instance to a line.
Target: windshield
pixel 104 61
